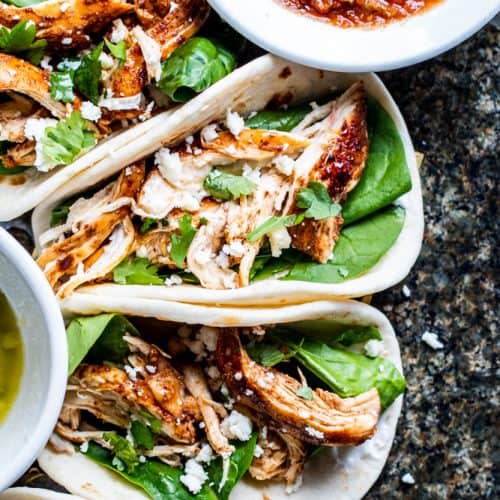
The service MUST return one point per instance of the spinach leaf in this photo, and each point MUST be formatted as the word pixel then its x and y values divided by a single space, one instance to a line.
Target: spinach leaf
pixel 240 461
pixel 158 480
pixel 224 186
pixel 126 457
pixel 59 214
pixel 88 75
pixel 181 242
pixel 357 335
pixel 359 247
pixel 66 140
pixel 137 271
pixel 194 67
pixel 347 373
pixel 20 40
pixel 386 176
pixel 316 199
pixel 100 337
pixel 283 120
pixel 268 353
pixel 22 3
pixel 142 435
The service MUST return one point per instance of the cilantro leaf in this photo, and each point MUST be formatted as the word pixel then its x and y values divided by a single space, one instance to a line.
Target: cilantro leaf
pixel 225 186
pixel 66 140
pixel 20 40
pixel 61 86
pixel 149 222
pixel 271 225
pixel 88 75
pixel 136 271
pixel 305 392
pixel 317 201
pixel 181 242
pixel 118 50
pixel 143 437
pixel 122 450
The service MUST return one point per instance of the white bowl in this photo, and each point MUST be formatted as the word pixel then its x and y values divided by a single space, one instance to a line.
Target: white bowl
pixel 28 425
pixel 322 45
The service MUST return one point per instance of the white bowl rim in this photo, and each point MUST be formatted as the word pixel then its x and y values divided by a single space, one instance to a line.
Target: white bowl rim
pixel 58 373
pixel 248 26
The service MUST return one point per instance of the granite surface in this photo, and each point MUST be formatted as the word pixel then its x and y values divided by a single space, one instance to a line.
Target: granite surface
pixel 446 434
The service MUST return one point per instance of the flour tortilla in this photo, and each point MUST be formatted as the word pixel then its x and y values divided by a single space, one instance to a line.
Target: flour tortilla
pixel 250 88
pixel 345 472
pixel 25 493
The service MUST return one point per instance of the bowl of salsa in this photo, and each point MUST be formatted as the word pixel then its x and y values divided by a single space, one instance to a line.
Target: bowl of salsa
pixel 33 360
pixel 356 35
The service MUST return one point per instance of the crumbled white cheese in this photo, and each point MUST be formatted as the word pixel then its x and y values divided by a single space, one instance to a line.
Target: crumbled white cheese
pixel 237 426
pixel 151 51
pixel 258 451
pixel 234 123
pixel 84 447
pixel 142 252
pixel 142 459
pixel 374 348
pixel 205 455
pixel 222 260
pixel 169 164
pixel 293 488
pixel 314 432
pixel 90 111
pixel 131 372
pixel 67 41
pixel 252 174
pixel 248 392
pixel 208 336
pixel 238 376
pixel 151 369
pixel 235 248
pixel 107 61
pixel 209 133
pixel 189 139
pixel 45 63
pixel 279 240
pixel 213 372
pixel 64 6
pixel 119 32
pixel 406 291
pixel 284 164
pixel 34 129
pixel 431 339
pixel 194 476
pixel 121 103
pixel 173 279
pixel 408 478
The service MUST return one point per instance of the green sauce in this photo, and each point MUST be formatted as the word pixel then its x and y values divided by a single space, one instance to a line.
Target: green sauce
pixel 11 357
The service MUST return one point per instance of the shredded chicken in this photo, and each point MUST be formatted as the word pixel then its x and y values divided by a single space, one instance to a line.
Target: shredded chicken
pixel 67 23
pixel 337 160
pixel 197 386
pixel 326 419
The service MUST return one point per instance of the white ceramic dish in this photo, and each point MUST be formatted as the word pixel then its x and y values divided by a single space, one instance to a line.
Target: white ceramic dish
pixel 30 421
pixel 319 44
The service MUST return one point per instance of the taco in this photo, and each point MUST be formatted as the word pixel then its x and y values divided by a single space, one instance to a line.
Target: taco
pixel 182 410
pixel 75 73
pixel 285 184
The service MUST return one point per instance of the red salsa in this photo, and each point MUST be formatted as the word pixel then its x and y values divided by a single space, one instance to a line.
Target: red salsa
pixel 365 13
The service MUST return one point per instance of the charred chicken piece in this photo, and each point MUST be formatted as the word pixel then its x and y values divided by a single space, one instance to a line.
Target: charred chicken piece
pixel 79 252
pixel 325 420
pixel 113 396
pixel 68 20
pixel 337 160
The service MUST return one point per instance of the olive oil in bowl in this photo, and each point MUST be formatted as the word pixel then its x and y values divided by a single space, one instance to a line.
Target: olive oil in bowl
pixel 11 357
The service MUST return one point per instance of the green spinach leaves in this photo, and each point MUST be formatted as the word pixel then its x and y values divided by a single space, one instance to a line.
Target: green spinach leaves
pixel 194 67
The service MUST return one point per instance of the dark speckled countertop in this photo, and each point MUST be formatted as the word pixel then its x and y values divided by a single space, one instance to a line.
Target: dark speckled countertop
pixel 446 434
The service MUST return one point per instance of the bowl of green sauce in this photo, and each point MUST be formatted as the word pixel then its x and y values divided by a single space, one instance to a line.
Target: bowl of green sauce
pixel 33 360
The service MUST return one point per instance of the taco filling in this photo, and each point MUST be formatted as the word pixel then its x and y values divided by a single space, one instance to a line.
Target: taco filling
pixel 186 411
pixel 300 193
pixel 73 72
